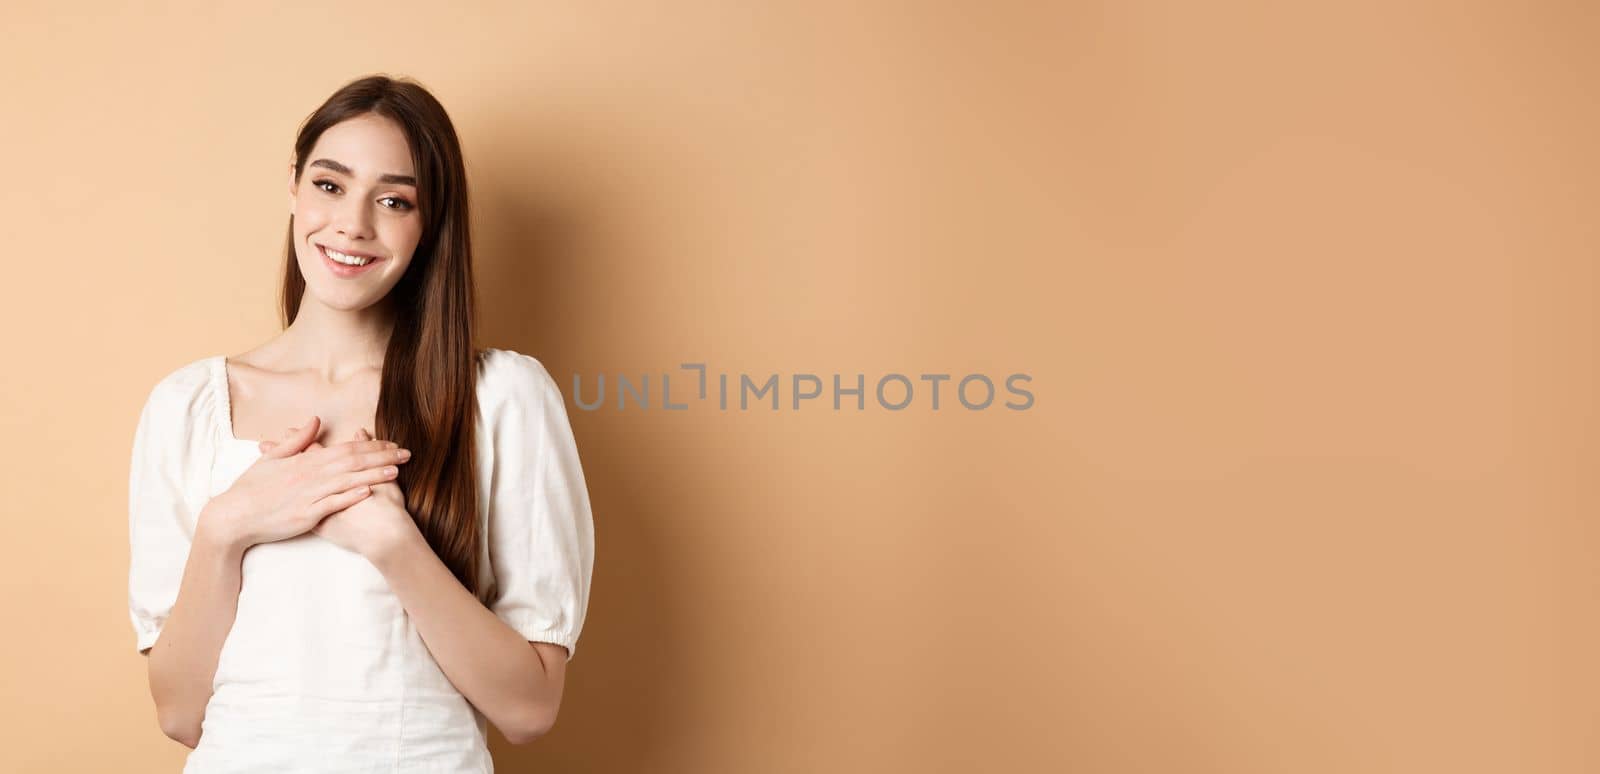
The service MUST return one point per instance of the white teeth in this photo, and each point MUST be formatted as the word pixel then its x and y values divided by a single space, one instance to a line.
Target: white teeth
pixel 349 260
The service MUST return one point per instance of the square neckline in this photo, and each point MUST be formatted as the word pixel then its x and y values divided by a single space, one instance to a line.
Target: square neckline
pixel 219 386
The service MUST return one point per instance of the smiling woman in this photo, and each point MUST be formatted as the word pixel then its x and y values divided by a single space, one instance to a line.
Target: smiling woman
pixel 353 222
pixel 315 595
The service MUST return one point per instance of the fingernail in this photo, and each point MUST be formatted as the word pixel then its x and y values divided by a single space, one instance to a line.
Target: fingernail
pixel 405 454
pixel 391 470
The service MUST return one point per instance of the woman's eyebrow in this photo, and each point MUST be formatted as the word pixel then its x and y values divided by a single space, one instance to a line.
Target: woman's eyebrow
pixel 344 170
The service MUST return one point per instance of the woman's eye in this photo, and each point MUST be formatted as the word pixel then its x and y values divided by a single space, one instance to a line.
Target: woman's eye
pixel 328 186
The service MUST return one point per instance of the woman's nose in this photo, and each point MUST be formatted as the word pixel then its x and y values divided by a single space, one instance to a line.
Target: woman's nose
pixel 354 219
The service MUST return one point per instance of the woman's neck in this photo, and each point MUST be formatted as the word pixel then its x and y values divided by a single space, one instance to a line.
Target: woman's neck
pixel 335 343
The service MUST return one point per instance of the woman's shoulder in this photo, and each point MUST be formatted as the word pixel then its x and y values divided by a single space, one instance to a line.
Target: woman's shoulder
pixel 508 375
pixel 509 368
pixel 179 414
pixel 185 389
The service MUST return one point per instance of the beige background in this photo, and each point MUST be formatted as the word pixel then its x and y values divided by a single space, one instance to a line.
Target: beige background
pixel 1308 298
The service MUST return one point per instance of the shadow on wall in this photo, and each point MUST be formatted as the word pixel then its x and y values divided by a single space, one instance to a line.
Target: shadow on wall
pixel 540 263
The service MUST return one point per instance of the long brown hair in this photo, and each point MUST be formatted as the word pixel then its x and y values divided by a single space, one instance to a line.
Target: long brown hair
pixel 428 398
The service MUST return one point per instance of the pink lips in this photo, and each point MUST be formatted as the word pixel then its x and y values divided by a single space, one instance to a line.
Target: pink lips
pixel 342 270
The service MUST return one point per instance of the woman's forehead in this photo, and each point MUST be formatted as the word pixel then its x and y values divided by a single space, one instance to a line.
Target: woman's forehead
pixel 364 147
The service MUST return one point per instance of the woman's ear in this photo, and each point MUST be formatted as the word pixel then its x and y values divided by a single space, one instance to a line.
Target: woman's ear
pixel 292 190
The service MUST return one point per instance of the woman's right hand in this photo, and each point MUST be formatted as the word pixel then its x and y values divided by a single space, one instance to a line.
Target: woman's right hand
pixel 296 482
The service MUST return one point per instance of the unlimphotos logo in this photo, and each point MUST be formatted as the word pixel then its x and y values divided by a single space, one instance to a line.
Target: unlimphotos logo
pixel 893 391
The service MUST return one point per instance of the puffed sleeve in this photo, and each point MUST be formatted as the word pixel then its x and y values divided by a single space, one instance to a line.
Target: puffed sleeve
pixel 540 529
pixel 163 499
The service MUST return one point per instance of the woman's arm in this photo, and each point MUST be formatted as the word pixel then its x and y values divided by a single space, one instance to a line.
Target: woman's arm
pixel 183 660
pixel 516 686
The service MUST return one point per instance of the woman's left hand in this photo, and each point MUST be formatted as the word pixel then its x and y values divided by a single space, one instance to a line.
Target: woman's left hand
pixel 374 525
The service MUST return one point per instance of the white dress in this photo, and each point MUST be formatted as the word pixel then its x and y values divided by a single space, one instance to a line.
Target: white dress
pixel 323 670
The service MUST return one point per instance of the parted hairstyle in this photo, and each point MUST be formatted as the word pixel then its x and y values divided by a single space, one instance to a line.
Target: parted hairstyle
pixel 428 397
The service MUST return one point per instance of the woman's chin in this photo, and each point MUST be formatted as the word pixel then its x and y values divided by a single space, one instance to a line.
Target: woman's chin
pixel 344 302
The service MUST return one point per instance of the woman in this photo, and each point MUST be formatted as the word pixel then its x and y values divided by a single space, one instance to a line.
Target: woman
pixel 317 597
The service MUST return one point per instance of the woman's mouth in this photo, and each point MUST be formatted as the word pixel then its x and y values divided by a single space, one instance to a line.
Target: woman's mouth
pixel 332 258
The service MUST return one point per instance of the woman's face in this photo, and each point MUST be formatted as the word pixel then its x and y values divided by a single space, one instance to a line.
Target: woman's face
pixel 357 195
